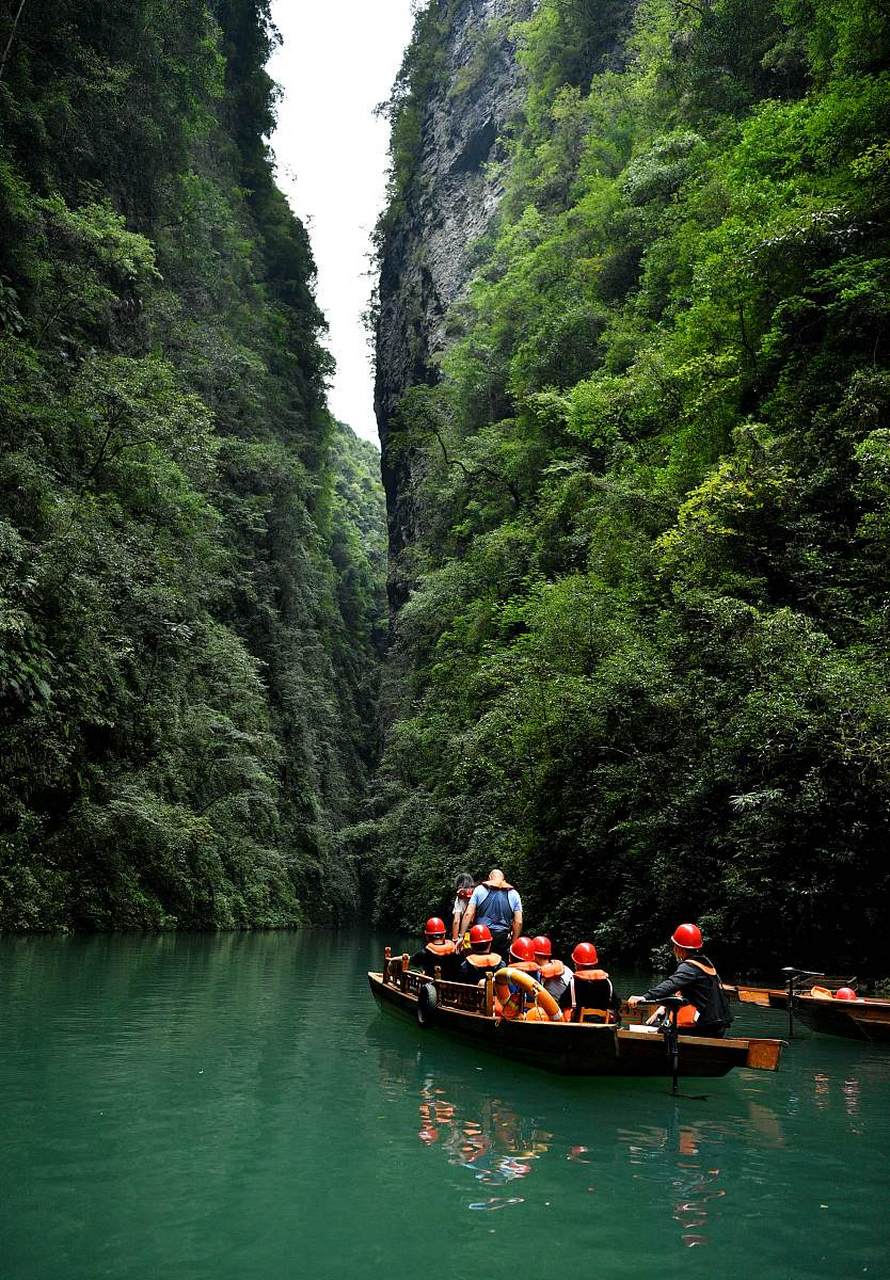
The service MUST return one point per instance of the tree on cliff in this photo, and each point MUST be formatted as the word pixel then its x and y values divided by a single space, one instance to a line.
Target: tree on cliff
pixel 187 613
pixel 646 656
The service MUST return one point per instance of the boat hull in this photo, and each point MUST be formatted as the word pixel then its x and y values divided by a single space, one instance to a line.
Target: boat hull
pixel 581 1050
pixel 865 1020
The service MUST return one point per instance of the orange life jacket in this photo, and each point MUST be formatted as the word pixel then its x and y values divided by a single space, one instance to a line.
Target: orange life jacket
pixel 552 969
pixel 440 948
pixel 483 960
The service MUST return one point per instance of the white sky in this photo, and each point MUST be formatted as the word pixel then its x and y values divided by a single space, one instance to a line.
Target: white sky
pixel 337 61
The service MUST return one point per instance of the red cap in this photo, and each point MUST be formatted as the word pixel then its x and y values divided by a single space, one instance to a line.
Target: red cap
pixel 522 949
pixel 479 933
pixel 845 993
pixel 585 953
pixel 433 926
pixel 688 936
pixel 541 947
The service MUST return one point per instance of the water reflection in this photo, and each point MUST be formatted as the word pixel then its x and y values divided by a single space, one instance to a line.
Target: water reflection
pixel 504 1128
pixel 491 1141
pixel 207 1107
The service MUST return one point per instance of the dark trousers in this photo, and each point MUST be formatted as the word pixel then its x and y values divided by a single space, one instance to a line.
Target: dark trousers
pixel 500 940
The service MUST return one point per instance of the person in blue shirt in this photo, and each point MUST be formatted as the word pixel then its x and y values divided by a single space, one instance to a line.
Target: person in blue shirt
pixel 498 905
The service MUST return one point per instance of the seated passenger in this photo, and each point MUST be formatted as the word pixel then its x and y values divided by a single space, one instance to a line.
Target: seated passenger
pixel 522 956
pixel 593 997
pixel 481 959
pixel 438 953
pixel 556 976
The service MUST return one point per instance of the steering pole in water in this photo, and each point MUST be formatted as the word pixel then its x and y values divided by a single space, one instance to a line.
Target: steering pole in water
pixel 791 975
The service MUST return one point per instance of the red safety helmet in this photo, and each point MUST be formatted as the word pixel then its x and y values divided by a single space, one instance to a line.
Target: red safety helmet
pixel 479 933
pixel 541 947
pixel 434 926
pixel 585 953
pixel 687 936
pixel 845 993
pixel 522 949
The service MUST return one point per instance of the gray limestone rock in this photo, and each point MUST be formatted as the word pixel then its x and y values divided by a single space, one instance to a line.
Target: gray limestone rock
pixel 451 201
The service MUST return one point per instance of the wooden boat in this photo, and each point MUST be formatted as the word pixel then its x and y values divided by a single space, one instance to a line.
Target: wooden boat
pixel 777 997
pixel 863 1019
pixel 569 1048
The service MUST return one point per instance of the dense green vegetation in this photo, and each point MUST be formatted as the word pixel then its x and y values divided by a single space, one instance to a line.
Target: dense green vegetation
pixel 191 552
pixel 646 660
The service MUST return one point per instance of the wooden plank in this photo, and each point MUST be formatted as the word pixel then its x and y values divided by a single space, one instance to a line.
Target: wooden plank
pixel 755 995
pixel 764 1055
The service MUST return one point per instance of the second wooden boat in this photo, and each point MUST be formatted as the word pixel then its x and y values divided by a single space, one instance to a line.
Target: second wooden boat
pixel 774 997
pixel 862 1019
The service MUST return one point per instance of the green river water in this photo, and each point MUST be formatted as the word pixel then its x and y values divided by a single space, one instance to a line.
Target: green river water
pixel 234 1107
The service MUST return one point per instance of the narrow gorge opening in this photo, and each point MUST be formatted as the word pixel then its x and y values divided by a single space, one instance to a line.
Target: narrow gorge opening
pixel 631 381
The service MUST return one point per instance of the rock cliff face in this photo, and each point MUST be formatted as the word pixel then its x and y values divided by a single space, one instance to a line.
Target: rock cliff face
pixel 450 202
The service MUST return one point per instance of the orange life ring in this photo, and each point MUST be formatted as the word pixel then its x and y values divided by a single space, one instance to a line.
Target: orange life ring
pixel 511 1001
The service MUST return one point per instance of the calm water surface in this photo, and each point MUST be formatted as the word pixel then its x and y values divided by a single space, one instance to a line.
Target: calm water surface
pixel 235 1106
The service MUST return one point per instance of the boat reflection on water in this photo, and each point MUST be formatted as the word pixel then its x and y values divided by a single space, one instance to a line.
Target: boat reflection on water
pixel 490 1140
pixel 512 1132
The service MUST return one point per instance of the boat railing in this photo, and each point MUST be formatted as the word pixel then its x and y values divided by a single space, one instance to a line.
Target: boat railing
pixel 472 999
pixel 451 995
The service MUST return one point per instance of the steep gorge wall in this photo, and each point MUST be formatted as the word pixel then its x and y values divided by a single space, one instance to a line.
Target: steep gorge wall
pixel 638 493
pixel 449 203
pixel 191 550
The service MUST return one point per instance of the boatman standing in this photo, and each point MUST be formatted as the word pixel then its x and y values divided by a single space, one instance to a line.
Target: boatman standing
pixel 697 981
pixel 497 904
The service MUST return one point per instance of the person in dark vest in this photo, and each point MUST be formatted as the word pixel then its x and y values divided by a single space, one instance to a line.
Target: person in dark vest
pixel 497 904
pixel 696 980
pixel 556 976
pixel 481 958
pixel 592 994
pixel 438 953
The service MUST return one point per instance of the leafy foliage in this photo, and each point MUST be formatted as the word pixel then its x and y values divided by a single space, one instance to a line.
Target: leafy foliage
pixel 645 663
pixel 190 549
